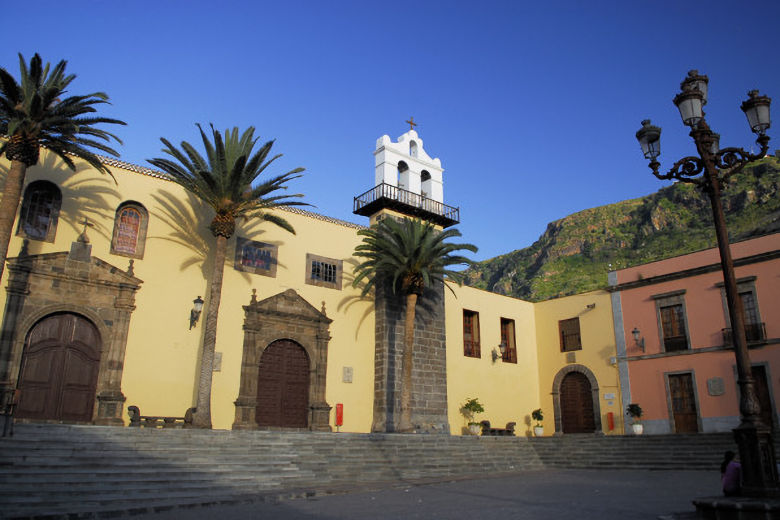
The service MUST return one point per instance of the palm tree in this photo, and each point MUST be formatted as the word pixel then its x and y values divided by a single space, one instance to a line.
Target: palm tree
pixel 36 113
pixel 224 181
pixel 410 255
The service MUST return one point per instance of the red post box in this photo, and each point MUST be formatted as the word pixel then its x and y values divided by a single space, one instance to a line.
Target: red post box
pixel 339 414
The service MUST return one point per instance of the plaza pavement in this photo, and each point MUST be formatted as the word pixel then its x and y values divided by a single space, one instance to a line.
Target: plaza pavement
pixel 537 495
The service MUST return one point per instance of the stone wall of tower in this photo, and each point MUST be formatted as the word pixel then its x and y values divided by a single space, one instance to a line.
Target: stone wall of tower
pixel 429 369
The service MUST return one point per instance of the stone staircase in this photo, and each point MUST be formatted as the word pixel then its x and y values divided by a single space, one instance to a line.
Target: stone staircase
pixel 74 471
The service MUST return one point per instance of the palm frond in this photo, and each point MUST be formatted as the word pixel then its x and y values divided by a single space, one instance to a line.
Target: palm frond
pixel 224 178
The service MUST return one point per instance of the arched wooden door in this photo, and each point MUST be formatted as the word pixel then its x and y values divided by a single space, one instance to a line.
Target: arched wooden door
pixel 577 404
pixel 283 386
pixel 59 370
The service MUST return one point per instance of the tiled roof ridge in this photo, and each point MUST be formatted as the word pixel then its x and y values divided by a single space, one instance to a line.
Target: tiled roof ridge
pixel 318 216
pixel 143 170
pixel 110 161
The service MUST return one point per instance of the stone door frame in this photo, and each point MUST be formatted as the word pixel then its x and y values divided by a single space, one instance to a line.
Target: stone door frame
pixel 284 316
pixel 556 393
pixel 46 284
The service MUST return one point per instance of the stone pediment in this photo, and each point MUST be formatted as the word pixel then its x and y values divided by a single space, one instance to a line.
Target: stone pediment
pixel 61 265
pixel 287 304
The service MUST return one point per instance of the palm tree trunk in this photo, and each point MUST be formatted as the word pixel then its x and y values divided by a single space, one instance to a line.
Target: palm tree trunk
pixel 405 425
pixel 9 204
pixel 202 416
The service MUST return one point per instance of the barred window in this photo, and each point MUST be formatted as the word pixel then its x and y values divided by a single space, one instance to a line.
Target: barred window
pixel 323 272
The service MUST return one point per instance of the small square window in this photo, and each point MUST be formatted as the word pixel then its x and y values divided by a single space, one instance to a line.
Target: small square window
pixel 570 334
pixel 323 272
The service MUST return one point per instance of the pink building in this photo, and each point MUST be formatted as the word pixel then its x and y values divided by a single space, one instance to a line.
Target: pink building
pixel 674 339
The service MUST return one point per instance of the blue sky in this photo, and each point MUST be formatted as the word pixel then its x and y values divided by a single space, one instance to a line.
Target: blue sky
pixel 531 106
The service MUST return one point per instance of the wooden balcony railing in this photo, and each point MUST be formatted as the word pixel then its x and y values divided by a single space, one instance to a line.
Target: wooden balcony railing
pixel 753 332
pixel 407 202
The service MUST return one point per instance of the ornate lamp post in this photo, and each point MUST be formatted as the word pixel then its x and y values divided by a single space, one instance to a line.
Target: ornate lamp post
pixel 710 171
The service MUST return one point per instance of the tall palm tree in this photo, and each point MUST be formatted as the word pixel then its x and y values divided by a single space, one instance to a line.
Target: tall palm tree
pixel 36 113
pixel 224 180
pixel 410 255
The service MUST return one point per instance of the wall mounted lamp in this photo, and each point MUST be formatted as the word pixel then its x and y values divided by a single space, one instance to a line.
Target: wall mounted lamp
pixel 591 306
pixel 197 307
pixel 499 352
pixel 640 341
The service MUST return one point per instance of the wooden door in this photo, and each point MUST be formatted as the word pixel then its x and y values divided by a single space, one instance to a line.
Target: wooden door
pixel 577 404
pixel 283 386
pixel 762 392
pixel 684 409
pixel 59 371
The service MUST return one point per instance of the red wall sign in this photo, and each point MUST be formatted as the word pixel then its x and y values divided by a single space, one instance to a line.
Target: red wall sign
pixel 339 414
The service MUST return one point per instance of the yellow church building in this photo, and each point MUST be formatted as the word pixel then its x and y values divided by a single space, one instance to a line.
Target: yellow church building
pixel 104 279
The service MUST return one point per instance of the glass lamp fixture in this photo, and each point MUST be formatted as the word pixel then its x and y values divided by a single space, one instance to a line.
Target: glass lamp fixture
pixel 715 148
pixel 689 102
pixel 756 108
pixel 197 307
pixel 696 81
pixel 649 137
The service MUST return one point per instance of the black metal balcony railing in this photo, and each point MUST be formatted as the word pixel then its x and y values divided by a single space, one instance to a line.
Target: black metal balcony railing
pixel 407 202
pixel 675 343
pixel 753 332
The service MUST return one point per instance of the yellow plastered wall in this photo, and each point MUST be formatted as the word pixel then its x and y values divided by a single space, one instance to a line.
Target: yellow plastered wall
pixel 597 353
pixel 162 353
pixel 508 391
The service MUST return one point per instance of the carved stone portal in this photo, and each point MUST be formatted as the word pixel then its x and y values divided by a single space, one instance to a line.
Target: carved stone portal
pixel 285 316
pixel 40 286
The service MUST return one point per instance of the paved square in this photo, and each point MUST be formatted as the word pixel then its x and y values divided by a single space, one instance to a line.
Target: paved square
pixel 537 495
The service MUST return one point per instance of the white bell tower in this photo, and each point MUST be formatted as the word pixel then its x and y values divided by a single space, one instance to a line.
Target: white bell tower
pixel 407 181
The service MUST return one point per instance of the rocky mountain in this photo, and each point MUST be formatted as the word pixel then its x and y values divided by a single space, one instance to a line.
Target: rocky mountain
pixel 575 253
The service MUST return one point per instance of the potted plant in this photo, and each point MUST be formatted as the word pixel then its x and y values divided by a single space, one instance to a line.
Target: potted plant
pixel 635 412
pixel 470 409
pixel 538 416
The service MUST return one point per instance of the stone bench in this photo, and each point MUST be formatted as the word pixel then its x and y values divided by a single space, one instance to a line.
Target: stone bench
pixel 509 431
pixel 154 421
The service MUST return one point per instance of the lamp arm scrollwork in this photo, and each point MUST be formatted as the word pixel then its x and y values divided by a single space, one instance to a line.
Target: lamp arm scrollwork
pixel 685 170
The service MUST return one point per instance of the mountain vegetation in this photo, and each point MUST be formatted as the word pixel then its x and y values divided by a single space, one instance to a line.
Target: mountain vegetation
pixel 575 253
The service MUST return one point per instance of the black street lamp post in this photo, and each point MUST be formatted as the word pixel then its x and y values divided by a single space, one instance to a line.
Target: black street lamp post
pixel 710 171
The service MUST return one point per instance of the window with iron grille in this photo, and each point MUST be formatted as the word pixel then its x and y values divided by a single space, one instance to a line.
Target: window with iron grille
pixel 323 271
pixel 570 334
pixel 40 210
pixel 509 353
pixel 471 334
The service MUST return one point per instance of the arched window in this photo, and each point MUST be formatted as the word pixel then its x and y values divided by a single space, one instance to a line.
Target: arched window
pixel 129 230
pixel 413 149
pixel 425 176
pixel 40 210
pixel 403 175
